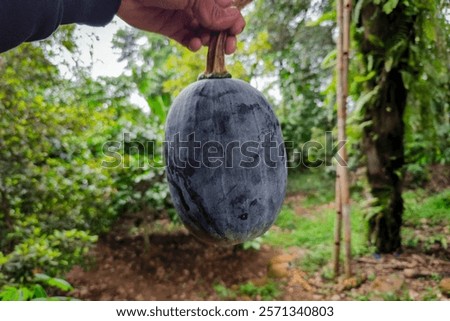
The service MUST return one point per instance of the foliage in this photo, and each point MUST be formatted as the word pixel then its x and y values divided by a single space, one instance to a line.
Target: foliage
pixel 423 59
pixel 398 73
pixel 425 77
pixel 59 191
pixel 223 292
pixel 390 296
pixel 161 67
pixel 313 184
pixel 267 292
pixel 57 188
pixel 434 208
pixel 310 226
pixel 54 196
pixel 311 230
pixel 35 290
pixel 254 244
pixel 291 65
pixel 424 211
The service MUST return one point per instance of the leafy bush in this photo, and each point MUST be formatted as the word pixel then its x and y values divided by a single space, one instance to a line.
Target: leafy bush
pixel 55 194
pixel 35 291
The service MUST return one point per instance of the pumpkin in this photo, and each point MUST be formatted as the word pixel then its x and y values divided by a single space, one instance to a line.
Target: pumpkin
pixel 225 157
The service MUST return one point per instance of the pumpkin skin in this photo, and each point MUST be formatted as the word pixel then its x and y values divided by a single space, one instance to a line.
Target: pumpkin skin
pixel 231 203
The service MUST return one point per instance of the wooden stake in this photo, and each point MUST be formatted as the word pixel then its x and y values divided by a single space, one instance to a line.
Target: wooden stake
pixel 345 181
pixel 337 230
pixel 342 180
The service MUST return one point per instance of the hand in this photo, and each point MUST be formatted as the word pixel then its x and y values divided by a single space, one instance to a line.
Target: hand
pixel 189 22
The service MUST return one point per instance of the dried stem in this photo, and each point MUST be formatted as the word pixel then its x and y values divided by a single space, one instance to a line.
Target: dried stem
pixel 215 64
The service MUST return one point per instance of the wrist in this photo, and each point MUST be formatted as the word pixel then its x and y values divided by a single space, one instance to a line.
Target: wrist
pixel 90 12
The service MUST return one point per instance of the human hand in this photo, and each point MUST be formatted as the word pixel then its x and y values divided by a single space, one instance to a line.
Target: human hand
pixel 189 22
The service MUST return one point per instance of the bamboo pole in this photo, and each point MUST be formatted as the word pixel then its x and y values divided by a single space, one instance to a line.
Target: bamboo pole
pixel 338 223
pixel 337 230
pixel 345 180
pixel 342 179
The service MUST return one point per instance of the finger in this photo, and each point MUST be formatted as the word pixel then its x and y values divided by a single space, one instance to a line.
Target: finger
pixel 237 27
pixel 224 3
pixel 230 45
pixel 166 4
pixel 205 37
pixel 194 24
pixel 195 44
pixel 213 17
pixel 183 37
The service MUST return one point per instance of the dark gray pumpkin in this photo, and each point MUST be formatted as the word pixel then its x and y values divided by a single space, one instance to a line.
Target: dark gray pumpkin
pixel 236 201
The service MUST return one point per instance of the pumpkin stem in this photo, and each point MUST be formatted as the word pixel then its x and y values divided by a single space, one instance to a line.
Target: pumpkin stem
pixel 215 64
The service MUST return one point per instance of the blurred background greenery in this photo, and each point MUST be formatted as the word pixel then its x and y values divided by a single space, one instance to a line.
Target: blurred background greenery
pixel 56 198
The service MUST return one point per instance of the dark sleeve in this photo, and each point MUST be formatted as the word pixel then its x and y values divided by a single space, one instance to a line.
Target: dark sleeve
pixel 29 20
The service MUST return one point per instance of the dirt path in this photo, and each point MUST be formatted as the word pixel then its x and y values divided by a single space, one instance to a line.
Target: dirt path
pixel 178 267
pixel 175 267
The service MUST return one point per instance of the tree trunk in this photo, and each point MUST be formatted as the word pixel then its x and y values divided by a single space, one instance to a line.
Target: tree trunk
pixel 384 130
pixel 383 146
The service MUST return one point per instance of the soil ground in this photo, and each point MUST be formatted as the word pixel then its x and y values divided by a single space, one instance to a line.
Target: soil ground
pixel 175 266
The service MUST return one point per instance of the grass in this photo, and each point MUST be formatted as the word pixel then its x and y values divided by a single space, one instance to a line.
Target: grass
pixel 315 231
pixel 431 294
pixel 317 186
pixel 434 209
pixel 316 234
pixel 421 210
pixel 267 292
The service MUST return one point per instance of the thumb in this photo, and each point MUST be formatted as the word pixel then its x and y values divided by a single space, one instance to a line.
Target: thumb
pixel 213 15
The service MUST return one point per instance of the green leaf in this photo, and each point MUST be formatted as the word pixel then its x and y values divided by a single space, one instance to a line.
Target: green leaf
pixel 327 16
pixel 60 284
pixel 364 78
pixel 370 62
pixel 159 105
pixel 9 293
pixel 12 293
pixel 41 277
pixel 372 211
pixel 375 40
pixel 330 60
pixel 388 64
pixel 39 292
pixel 390 6
pixel 55 282
pixel 366 98
pixel 24 294
pixel 56 298
pixel 429 30
pixel 357 11
pixel 408 79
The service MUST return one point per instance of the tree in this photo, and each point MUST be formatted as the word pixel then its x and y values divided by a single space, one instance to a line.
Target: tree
pixel 395 39
pixel 295 59
pixel 56 194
